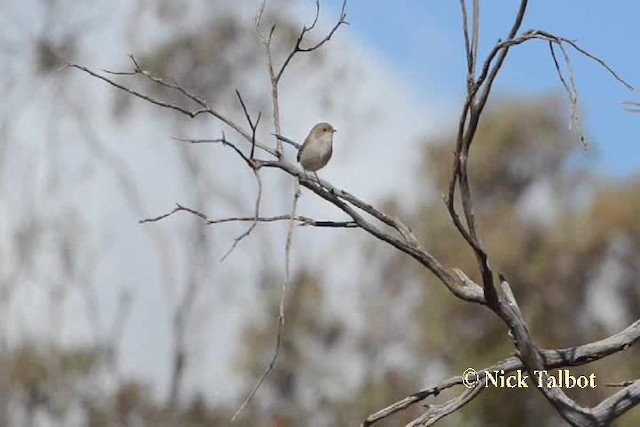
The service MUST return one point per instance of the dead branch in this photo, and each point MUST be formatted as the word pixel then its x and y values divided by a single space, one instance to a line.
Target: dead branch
pixel 190 113
pixel 553 359
pixel 397 234
pixel 302 220
pixel 297 48
pixel 434 413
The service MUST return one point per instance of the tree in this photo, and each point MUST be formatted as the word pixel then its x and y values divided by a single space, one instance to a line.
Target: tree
pixel 477 199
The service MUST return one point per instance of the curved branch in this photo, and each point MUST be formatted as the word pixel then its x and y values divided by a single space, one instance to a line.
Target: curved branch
pixel 298 48
pixel 190 113
pixel 468 292
pixel 553 359
pixel 434 413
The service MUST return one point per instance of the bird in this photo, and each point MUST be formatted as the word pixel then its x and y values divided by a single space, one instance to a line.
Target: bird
pixel 316 151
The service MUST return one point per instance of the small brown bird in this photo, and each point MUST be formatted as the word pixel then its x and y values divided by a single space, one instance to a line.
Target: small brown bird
pixel 316 151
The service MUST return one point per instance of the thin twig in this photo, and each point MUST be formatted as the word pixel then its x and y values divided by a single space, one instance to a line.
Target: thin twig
pixel 475 38
pixel 252 125
pixel 622 384
pixel 467 40
pixel 298 45
pixel 174 107
pixel 266 42
pixel 256 211
pixel 546 36
pixel 302 220
pixel 281 311
pixel 223 140
pixel 434 413
pixel 275 79
pixel 288 141
pixel 254 168
pixel 572 91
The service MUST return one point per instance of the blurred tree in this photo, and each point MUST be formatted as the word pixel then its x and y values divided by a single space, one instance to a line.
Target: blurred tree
pixel 552 229
pixel 567 240
pixel 50 249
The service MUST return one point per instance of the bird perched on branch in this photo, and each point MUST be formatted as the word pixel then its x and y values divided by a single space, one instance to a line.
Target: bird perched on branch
pixel 316 151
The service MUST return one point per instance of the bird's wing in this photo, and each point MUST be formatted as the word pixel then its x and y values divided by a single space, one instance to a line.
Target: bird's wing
pixel 300 150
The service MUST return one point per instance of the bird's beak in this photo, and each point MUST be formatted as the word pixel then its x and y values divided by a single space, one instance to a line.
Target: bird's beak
pixel 334 131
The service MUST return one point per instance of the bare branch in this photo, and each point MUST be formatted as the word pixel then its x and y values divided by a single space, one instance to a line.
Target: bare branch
pixel 336 197
pixel 281 312
pixel 533 361
pixel 256 211
pixel 302 220
pixel 140 95
pixel 394 232
pixel 160 103
pixel 298 46
pixel 615 75
pixel 435 413
pixel 572 91
pixel 274 76
pixel 471 43
pixel 252 125
pixel 288 141
pixel 621 384
pixel 475 38
pixel 250 162
pixel 632 104
pixel 477 97
pixel 467 127
pixel 467 41
pixel 571 88
pixel 275 79
pixel 410 244
pixel 266 41
pixel 484 96
pixel 546 36
pixel 254 168
pixel 263 5
pixel 614 406
pixel 265 374
pixel 553 359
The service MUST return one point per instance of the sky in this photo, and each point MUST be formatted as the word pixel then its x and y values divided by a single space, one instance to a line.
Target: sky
pixel 413 54
pixel 432 58
pixel 127 253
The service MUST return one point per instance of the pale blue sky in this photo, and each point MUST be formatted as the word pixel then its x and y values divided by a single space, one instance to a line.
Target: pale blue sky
pixel 423 40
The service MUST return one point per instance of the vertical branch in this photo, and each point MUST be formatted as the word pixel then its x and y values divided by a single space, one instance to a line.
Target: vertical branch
pixel 197 268
pixel 477 95
pixel 465 31
pixel 572 89
pixel 266 41
pixel 476 109
pixel 532 359
pixel 252 125
pixel 281 313
pixel 275 96
pixel 471 42
pixel 297 48
pixel 476 35
pixel 287 261
pixel 274 78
